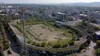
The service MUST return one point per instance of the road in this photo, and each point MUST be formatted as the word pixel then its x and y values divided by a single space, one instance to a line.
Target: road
pixel 89 51
pixel 14 47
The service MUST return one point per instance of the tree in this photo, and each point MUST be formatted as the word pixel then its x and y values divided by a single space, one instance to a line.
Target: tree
pixel 71 42
pixel 98 52
pixel 98 43
pixel 58 44
pixel 1 46
pixel 93 21
pixel 44 44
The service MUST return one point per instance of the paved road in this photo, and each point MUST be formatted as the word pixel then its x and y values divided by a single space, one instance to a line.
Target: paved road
pixel 15 48
pixel 89 51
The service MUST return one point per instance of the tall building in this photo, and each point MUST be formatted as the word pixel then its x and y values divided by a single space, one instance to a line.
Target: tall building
pixel 61 16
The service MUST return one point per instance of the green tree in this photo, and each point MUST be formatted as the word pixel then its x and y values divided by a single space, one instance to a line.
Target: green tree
pixel 71 42
pixel 98 52
pixel 44 44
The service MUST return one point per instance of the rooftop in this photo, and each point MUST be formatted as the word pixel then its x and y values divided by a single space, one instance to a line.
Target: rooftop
pixel 98 32
pixel 61 13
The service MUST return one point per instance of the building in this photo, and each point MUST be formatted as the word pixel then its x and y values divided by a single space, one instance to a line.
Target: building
pixel 97 34
pixel 95 15
pixel 82 16
pixel 98 21
pixel 61 16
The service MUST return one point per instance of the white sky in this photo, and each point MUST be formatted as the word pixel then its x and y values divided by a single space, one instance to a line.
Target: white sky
pixel 46 1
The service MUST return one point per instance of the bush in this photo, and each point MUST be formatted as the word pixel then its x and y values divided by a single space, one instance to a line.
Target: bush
pixel 6 45
pixel 98 52
pixel 5 41
pixel 58 45
pixel 98 43
pixel 44 44
pixel 29 42
pixel 1 46
pixel 52 43
pixel 38 44
pixel 71 42
pixel 33 43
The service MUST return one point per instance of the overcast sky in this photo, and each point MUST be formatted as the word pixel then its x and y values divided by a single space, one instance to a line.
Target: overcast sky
pixel 46 1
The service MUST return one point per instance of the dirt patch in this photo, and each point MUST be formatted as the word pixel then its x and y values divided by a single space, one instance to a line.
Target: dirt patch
pixel 44 33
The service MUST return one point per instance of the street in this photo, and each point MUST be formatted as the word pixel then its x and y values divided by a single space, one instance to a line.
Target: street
pixel 89 51
pixel 14 47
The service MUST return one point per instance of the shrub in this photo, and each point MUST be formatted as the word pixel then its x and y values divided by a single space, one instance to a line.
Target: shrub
pixel 52 43
pixel 98 52
pixel 44 44
pixel 98 43
pixel 58 44
pixel 71 42
pixel 29 42
pixel 38 44
pixel 6 45
pixel 33 43
pixel 1 46
pixel 5 41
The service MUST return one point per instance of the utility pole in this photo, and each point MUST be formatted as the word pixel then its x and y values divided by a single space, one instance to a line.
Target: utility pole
pixel 24 51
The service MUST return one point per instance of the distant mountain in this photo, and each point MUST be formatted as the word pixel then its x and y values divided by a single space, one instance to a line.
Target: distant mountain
pixel 86 4
pixel 92 4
